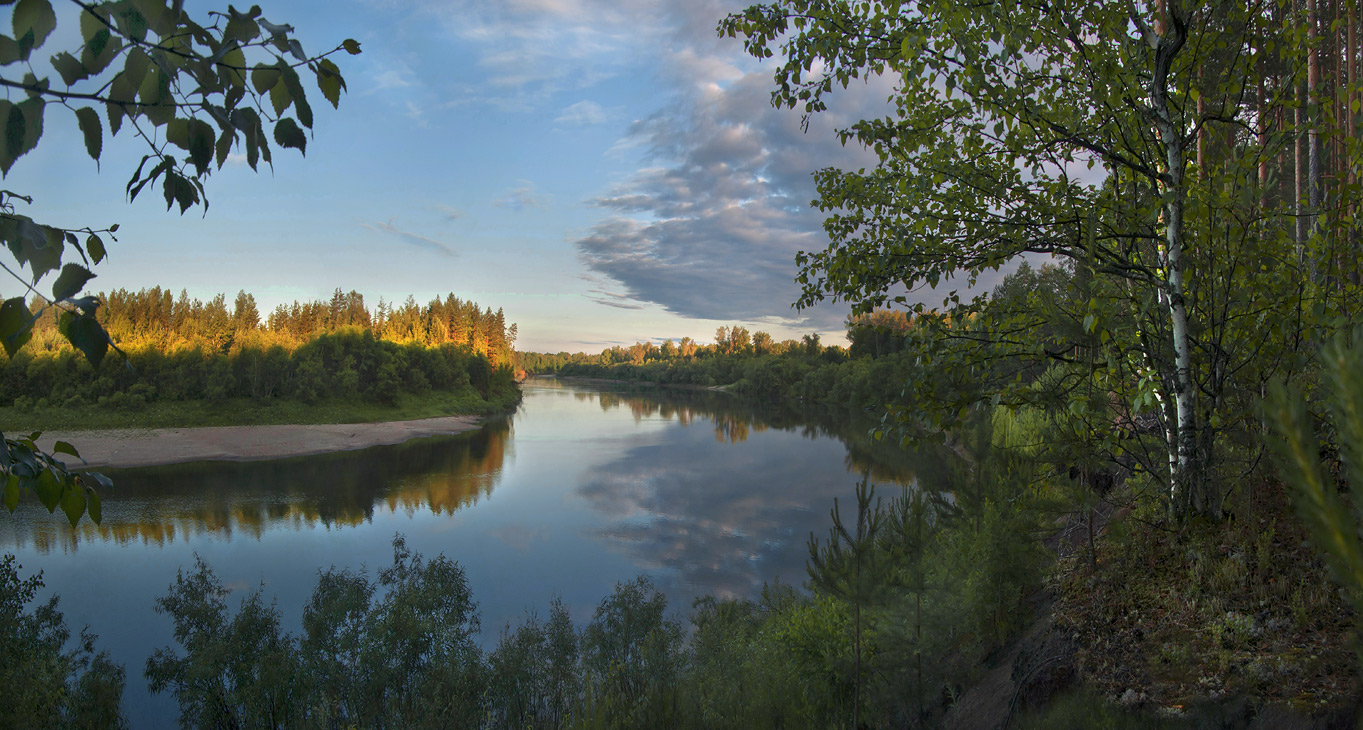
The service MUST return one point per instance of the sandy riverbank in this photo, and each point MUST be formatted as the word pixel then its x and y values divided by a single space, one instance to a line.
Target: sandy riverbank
pixel 117 449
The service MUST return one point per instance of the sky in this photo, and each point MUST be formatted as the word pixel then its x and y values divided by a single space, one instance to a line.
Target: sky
pixel 605 172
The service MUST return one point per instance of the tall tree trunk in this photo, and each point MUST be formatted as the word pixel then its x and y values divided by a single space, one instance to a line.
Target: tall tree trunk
pixel 1262 139
pixel 1350 123
pixel 1299 178
pixel 1315 174
pixel 1186 477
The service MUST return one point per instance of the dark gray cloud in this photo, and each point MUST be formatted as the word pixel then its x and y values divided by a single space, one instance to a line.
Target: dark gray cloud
pixel 613 299
pixel 415 239
pixel 710 228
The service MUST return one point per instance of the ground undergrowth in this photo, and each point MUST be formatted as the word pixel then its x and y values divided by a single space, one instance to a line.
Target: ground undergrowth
pixel 1173 620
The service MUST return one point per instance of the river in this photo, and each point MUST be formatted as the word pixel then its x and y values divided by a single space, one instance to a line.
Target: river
pixel 583 487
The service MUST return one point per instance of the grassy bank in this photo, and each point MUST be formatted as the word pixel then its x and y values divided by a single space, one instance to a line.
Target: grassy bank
pixel 250 412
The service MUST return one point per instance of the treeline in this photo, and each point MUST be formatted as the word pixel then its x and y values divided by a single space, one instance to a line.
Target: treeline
pixel 155 318
pixel 868 374
pixel 184 349
pixel 348 364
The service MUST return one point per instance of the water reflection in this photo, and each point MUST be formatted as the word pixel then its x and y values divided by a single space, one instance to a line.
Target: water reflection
pixel 726 520
pixel 736 419
pixel 723 518
pixel 160 505
pixel 705 492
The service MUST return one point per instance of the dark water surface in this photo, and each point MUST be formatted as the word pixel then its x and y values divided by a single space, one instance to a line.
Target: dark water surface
pixel 582 488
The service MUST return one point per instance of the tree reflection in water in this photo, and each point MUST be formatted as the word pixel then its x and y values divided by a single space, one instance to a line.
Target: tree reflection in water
pixel 158 505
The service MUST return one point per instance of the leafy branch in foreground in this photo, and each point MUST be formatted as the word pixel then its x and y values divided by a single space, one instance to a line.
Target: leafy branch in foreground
pixel 25 467
pixel 191 92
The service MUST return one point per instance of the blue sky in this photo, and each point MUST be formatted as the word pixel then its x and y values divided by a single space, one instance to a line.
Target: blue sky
pixel 606 172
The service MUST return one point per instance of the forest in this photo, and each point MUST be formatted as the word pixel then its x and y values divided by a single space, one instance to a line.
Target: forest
pixel 183 350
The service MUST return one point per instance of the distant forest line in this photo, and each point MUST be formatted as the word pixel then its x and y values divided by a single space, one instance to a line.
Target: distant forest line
pixel 184 349
pixel 868 373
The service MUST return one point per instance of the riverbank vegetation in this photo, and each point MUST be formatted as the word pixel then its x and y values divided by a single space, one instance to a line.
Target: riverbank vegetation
pixel 186 362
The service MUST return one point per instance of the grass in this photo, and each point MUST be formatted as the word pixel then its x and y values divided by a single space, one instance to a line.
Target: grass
pixel 248 412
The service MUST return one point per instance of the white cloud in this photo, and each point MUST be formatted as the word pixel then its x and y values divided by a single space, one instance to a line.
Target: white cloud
pixel 450 212
pixel 529 50
pixel 390 227
pixel 582 114
pixel 391 78
pixel 520 198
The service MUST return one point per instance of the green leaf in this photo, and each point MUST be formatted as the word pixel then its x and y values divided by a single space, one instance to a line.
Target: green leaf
pixel 34 17
pixel 90 25
pixel 70 68
pixel 94 133
pixel 157 103
pixel 232 69
pixel 101 49
pixel 351 46
pixel 49 256
pixel 279 97
pixel 93 506
pixel 248 122
pixel 32 109
pixel 130 22
pixel 179 190
pixel 13 122
pixel 86 334
pixel 156 15
pixel 23 123
pixel 62 447
pixel 70 281
pixel 264 77
pixel 15 325
pixel 116 113
pixel 177 132
pixel 299 96
pixel 9 50
pixel 287 134
pixel 200 144
pixel 330 82
pixel 11 492
pixel 73 503
pixel 49 489
pixel 134 76
pixel 224 146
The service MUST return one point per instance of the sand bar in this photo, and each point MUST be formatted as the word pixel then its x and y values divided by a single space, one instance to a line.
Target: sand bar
pixel 120 448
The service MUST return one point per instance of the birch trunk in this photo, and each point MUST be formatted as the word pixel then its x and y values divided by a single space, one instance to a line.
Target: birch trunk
pixel 1185 479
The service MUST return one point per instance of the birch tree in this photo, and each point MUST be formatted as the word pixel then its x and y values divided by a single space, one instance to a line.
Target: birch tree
pixel 1124 137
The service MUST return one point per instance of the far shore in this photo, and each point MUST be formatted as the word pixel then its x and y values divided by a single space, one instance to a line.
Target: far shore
pixel 641 384
pixel 123 448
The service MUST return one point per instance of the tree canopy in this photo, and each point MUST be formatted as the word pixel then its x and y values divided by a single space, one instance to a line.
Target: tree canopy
pixel 1154 147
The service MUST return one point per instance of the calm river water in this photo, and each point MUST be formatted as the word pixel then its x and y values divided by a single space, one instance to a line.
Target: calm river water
pixel 581 488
